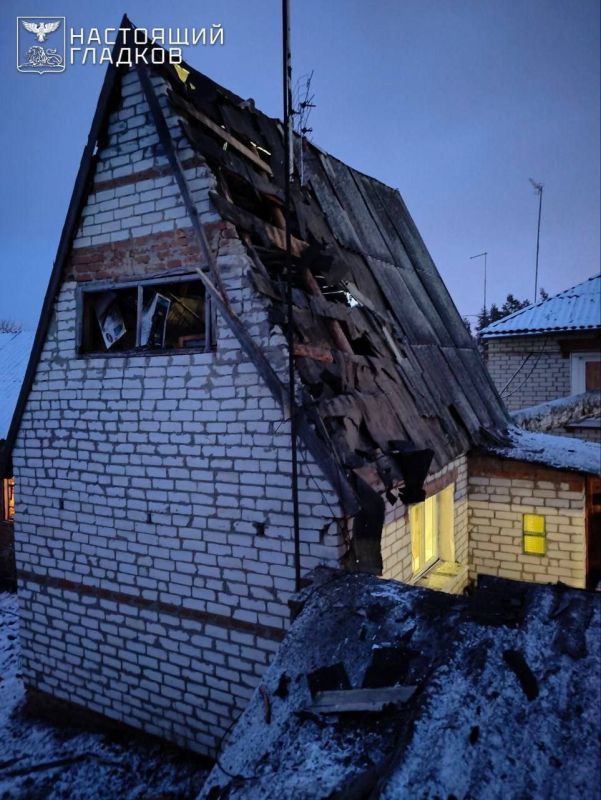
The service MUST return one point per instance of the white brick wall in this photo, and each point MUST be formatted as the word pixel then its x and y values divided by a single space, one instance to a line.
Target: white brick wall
pixel 497 504
pixel 145 475
pixel 545 376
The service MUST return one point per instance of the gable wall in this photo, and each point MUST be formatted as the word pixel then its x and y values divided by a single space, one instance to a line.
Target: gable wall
pixel 147 593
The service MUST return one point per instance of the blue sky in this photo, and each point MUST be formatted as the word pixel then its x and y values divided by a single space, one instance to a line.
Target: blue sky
pixel 454 102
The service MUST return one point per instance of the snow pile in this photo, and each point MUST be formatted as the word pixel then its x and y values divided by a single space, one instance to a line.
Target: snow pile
pixel 506 706
pixel 41 761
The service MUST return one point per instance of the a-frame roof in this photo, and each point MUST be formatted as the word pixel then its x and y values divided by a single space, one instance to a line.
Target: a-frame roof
pixel 387 367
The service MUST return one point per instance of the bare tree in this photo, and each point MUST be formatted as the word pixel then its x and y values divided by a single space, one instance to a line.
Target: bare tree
pixel 10 326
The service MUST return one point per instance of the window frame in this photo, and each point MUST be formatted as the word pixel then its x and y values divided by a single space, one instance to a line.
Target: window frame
pixel 94 287
pixel 534 534
pixel 578 369
pixel 439 497
pixel 8 500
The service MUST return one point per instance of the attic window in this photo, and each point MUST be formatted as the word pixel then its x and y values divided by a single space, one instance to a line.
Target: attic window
pixel 152 316
pixel 534 535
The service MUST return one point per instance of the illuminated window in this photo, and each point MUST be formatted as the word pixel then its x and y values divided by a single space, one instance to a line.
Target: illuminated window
pixel 8 499
pixel 431 524
pixel 534 537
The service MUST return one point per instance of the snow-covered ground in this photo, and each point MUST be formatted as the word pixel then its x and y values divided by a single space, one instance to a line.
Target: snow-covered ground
pixel 44 761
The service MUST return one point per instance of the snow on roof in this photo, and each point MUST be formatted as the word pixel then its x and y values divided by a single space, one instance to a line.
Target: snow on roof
pixel 559 452
pixel 508 691
pixel 562 411
pixel 575 309
pixel 14 355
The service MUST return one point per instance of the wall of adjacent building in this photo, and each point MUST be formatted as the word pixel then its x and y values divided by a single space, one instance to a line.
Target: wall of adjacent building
pixel 545 376
pixel 154 530
pixel 500 493
pixel 396 536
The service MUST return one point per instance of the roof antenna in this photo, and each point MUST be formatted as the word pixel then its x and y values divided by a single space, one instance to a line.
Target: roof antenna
pixel 303 105
pixel 538 188
pixel 288 177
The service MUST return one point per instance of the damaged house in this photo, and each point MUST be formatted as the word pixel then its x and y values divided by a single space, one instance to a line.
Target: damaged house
pixel 151 441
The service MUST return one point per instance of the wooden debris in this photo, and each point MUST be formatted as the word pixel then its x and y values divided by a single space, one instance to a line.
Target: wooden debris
pixel 348 701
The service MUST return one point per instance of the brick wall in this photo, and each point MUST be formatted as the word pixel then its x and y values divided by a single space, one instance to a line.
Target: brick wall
pixel 500 493
pixel 545 376
pixel 396 536
pixel 148 593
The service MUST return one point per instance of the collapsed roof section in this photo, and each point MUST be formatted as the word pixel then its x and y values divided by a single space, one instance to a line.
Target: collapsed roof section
pixel 385 690
pixel 382 353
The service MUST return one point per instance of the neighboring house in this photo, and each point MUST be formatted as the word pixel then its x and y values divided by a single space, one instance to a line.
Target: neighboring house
pixel 151 441
pixel 15 348
pixel 550 350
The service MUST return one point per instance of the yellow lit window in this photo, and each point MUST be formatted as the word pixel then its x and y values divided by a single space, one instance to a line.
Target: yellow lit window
pixel 431 524
pixel 7 506
pixel 534 536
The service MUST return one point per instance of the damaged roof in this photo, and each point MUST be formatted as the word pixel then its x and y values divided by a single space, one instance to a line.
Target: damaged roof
pixel 574 309
pixel 507 691
pixel 386 363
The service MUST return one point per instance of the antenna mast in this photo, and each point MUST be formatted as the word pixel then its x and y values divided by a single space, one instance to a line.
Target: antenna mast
pixel 288 174
pixel 538 188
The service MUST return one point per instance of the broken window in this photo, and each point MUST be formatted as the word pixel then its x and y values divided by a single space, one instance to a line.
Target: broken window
pixel 431 524
pixel 8 500
pixel 534 535
pixel 153 316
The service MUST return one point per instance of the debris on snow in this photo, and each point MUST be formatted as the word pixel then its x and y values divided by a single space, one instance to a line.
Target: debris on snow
pixel 505 706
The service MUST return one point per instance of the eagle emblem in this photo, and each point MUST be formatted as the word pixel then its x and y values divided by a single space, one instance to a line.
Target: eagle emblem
pixel 40 29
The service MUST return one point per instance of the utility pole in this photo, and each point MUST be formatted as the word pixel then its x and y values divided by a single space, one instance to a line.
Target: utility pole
pixel 479 255
pixel 538 188
pixel 288 173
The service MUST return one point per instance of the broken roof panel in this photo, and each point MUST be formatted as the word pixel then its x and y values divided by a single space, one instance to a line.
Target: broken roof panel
pixel 574 309
pixel 507 692
pixel 383 354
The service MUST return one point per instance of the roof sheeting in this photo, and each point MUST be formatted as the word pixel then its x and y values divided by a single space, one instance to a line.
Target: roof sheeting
pixel 391 371
pixel 575 309
pixel 14 355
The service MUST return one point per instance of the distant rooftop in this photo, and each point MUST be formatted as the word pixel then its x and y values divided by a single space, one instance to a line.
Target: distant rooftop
pixel 575 309
pixel 14 355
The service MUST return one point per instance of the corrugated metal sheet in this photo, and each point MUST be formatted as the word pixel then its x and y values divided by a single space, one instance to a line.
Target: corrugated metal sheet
pixel 575 309
pixel 14 355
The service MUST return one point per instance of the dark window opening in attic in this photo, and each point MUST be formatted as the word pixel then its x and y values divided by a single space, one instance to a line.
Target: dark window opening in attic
pixel 148 317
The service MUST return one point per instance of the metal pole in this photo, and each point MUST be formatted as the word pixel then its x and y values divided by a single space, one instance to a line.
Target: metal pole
pixel 479 255
pixel 540 206
pixel 538 188
pixel 287 87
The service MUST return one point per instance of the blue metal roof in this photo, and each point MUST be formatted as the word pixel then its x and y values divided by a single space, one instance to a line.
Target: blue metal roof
pixel 14 355
pixel 575 309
